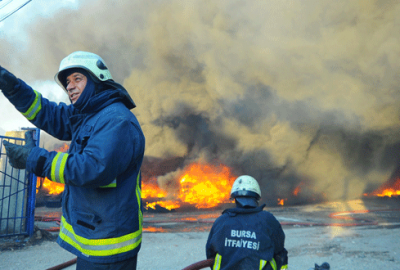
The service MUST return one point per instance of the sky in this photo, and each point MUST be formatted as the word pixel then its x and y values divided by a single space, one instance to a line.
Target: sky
pixel 294 93
pixel 13 32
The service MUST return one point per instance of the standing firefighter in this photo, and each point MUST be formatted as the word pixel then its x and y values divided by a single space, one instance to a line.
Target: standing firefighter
pixel 246 237
pixel 101 207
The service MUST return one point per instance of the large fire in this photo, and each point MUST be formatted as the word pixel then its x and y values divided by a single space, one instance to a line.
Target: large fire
pixel 200 185
pixel 387 190
pixel 206 186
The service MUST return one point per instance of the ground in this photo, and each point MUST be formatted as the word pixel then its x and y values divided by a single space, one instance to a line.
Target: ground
pixel 314 234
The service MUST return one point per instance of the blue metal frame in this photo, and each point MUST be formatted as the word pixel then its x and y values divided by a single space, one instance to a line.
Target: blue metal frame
pixel 25 211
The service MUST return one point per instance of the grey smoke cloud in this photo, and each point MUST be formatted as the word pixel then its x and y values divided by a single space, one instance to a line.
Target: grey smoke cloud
pixel 295 93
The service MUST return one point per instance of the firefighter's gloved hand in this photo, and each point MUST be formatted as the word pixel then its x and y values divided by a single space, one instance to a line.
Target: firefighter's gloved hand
pixel 7 82
pixel 18 154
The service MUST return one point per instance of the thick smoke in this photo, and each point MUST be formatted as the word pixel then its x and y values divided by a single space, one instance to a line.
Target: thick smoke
pixel 295 93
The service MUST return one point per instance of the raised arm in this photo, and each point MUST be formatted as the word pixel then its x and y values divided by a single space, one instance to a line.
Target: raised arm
pixel 44 114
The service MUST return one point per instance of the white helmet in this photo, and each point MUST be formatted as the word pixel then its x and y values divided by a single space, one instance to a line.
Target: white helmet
pixel 88 61
pixel 246 186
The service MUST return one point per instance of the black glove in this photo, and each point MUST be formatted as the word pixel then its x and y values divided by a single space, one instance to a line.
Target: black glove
pixel 7 81
pixel 18 154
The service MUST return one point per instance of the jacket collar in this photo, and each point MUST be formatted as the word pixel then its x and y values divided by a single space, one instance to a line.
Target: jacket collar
pixel 238 210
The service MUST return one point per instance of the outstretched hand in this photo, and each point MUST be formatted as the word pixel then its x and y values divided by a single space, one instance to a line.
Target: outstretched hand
pixel 18 154
pixel 7 81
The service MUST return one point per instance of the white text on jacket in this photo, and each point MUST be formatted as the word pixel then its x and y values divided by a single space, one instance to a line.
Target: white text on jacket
pixel 242 243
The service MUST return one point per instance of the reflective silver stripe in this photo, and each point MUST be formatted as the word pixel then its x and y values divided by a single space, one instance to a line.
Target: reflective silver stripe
pixel 217 262
pixel 113 184
pixel 34 111
pixel 262 264
pixel 58 169
pixel 35 107
pixel 273 264
pixel 69 234
pixel 139 199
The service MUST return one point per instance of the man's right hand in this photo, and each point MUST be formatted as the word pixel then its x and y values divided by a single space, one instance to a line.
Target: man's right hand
pixel 18 154
pixel 7 82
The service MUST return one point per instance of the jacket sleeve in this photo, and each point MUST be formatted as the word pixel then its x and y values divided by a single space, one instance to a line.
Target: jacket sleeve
pixel 113 145
pixel 44 114
pixel 281 259
pixel 210 252
pixel 278 237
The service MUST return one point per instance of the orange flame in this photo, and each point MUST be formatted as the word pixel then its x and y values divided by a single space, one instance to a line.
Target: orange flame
pixel 206 186
pixel 281 201
pixel 201 185
pixel 63 148
pixel 387 190
pixel 165 204
pixel 52 187
pixel 153 229
pixel 150 189
pixel 297 190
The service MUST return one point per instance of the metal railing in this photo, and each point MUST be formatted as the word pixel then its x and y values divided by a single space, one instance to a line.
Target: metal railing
pixel 17 193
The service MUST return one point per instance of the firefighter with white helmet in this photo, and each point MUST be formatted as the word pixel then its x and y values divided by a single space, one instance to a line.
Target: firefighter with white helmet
pixel 101 219
pixel 90 62
pixel 246 191
pixel 246 237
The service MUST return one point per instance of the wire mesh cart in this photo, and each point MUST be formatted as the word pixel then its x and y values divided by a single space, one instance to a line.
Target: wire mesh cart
pixel 17 191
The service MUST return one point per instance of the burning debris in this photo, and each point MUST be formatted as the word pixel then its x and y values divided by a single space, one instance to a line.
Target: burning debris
pixel 175 183
pixel 197 185
pixel 389 189
pixel 194 186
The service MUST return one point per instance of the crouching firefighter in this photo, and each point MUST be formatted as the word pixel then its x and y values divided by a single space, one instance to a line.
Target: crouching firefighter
pixel 102 216
pixel 246 237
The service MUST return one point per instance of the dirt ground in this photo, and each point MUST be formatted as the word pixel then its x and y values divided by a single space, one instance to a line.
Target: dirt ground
pixel 348 235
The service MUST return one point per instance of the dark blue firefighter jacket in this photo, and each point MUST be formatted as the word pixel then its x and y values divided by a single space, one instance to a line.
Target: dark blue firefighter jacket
pixel 101 204
pixel 246 238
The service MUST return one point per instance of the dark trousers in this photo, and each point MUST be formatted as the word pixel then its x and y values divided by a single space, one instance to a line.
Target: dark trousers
pixel 129 264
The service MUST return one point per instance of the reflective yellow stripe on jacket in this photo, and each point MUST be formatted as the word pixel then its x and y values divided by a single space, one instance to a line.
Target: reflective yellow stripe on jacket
pixel 262 264
pixel 58 166
pixel 139 199
pixel 100 247
pixel 217 262
pixel 113 184
pixel 35 107
pixel 218 259
pixel 272 262
pixel 104 247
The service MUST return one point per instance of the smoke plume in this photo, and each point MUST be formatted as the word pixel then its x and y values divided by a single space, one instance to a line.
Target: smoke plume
pixel 295 93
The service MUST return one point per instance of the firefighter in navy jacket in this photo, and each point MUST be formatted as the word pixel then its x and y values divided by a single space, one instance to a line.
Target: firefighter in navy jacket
pixel 246 237
pixel 101 205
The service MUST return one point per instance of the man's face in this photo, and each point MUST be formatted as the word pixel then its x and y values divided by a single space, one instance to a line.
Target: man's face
pixel 76 83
